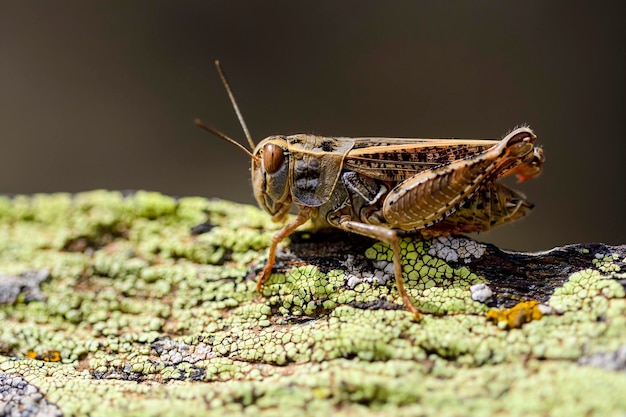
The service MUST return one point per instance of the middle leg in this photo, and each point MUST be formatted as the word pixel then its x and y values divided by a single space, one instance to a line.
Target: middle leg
pixel 386 235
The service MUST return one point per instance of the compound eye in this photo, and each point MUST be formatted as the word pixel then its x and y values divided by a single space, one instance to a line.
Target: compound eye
pixel 273 158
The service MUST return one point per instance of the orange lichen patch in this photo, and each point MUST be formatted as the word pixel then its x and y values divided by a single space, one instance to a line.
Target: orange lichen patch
pixel 47 356
pixel 516 316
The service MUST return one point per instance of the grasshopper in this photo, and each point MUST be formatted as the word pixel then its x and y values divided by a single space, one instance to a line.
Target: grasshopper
pixel 385 188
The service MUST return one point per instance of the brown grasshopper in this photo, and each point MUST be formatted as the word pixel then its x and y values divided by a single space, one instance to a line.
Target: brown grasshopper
pixel 384 188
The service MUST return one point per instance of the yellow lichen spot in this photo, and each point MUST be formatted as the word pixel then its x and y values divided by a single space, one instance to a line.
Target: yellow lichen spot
pixel 516 316
pixel 47 356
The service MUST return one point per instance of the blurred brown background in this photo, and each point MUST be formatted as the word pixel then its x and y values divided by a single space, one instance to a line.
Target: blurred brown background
pixel 100 94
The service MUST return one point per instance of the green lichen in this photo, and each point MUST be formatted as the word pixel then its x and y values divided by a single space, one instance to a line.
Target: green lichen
pixel 435 286
pixel 607 263
pixel 588 291
pixel 147 319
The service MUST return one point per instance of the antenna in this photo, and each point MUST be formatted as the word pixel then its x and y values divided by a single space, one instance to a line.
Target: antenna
pixel 220 71
pixel 222 135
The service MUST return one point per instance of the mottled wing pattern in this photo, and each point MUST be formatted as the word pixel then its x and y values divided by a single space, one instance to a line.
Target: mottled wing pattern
pixel 396 159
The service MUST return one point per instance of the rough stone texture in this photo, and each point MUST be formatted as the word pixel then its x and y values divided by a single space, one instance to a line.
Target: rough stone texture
pixel 140 316
pixel 18 398
pixel 26 284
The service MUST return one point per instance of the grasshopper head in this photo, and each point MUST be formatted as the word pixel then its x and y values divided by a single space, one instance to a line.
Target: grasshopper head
pixel 270 176
pixel 270 162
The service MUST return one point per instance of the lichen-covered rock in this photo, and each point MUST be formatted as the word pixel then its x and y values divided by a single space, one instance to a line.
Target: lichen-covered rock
pixel 18 398
pixel 143 304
